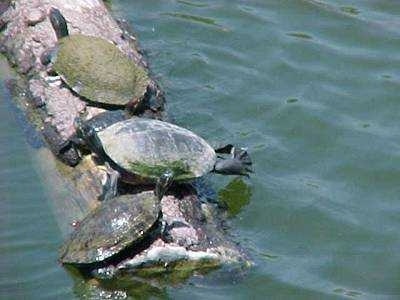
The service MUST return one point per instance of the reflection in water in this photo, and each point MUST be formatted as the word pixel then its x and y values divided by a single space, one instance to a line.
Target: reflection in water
pixel 347 293
pixel 235 195
pixel 350 10
pixel 197 19
pixel 91 288
pixel 94 289
pixel 194 4
pixel 300 35
pixel 145 283
pixel 292 100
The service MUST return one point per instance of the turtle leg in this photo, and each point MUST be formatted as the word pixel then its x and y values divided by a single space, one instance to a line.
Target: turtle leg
pixel 77 141
pixel 111 183
pixel 46 57
pixel 238 164
pixel 134 106
pixel 162 184
pixel 58 22
pixel 166 227
pixel 156 98
pixel 164 232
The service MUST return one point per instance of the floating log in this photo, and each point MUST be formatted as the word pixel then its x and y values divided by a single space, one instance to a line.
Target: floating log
pixel 75 184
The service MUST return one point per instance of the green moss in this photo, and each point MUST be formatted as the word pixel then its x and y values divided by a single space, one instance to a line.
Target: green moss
pixel 179 169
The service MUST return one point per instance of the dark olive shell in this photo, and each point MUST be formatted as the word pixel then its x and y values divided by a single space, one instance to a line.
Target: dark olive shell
pixel 149 148
pixel 110 228
pixel 97 70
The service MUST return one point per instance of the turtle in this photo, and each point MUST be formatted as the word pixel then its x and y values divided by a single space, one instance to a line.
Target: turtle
pixel 116 225
pixel 95 69
pixel 152 151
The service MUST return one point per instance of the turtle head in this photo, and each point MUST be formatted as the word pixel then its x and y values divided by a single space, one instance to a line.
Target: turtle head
pixel 58 22
pixel 238 164
pixel 88 135
pixel 163 182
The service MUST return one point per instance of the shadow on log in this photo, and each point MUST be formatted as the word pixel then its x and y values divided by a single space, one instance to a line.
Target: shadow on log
pixel 52 108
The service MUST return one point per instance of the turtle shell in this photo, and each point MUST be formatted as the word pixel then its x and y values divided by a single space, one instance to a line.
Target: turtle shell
pixel 97 70
pixel 149 148
pixel 110 228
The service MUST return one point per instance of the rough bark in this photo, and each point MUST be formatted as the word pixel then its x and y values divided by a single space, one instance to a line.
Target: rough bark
pixel 52 108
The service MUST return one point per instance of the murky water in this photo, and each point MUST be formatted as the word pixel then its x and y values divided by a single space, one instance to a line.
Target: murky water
pixel 312 88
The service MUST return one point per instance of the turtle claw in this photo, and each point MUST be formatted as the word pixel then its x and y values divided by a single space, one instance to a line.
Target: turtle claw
pixel 250 170
pixel 243 156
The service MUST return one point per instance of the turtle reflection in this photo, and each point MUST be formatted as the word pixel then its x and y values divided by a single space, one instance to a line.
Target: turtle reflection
pixel 234 196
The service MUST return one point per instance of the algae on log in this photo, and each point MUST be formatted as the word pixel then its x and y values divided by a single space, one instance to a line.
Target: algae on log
pixel 52 107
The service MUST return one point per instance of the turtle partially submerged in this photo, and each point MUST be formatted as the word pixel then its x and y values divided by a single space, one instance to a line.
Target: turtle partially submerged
pixel 148 150
pixel 116 225
pixel 95 68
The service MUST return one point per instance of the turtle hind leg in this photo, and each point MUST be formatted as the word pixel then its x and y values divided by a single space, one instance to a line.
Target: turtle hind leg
pixel 238 164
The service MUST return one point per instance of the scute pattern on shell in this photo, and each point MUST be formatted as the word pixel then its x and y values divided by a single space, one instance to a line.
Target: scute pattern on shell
pixel 110 228
pixel 97 70
pixel 157 145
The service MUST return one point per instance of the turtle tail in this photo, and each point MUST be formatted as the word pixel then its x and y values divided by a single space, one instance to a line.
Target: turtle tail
pixel 58 22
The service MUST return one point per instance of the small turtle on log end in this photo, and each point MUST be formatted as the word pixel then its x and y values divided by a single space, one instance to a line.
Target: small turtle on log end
pixel 96 69
pixel 119 225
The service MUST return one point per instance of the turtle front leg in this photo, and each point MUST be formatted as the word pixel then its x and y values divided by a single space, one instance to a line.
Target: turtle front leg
pixel 46 57
pixel 163 183
pixel 238 164
pixel 110 185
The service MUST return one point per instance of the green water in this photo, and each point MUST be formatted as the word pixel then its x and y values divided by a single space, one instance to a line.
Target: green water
pixel 312 88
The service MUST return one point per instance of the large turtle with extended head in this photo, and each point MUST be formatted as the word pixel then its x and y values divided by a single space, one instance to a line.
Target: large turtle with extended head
pixel 116 225
pixel 95 68
pixel 159 152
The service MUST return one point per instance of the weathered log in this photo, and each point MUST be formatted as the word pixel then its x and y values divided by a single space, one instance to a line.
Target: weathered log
pixel 52 108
